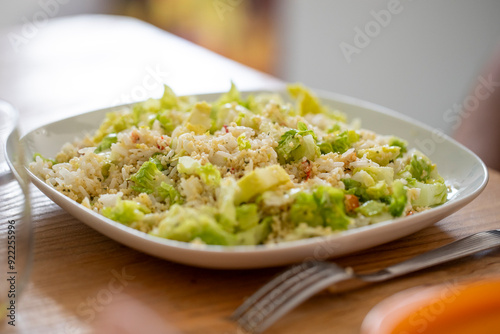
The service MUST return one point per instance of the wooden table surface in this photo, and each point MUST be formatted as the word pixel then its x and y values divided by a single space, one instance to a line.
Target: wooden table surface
pixel 85 282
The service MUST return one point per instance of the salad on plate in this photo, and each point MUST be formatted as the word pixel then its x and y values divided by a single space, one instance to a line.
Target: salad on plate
pixel 242 171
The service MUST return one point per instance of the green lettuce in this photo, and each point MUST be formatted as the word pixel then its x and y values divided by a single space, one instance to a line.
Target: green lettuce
pixel 323 207
pixel 208 173
pixel 125 212
pixel 398 199
pixel 106 143
pixel 339 143
pixel 294 145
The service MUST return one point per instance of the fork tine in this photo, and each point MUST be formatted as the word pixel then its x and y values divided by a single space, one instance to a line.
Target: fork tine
pixel 306 291
pixel 264 313
pixel 295 270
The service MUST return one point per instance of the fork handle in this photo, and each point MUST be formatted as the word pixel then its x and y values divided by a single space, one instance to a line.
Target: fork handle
pixel 455 250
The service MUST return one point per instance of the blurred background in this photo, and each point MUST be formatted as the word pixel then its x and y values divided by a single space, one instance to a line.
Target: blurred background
pixel 421 58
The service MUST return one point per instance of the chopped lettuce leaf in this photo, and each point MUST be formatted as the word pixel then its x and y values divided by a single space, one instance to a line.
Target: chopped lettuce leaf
pixel 247 216
pixel 356 188
pixel 147 178
pixel 208 173
pixel 308 103
pixel 199 119
pixel 243 143
pixel 323 207
pixel 150 180
pixel 385 174
pixel 255 234
pixel 168 191
pixel 226 215
pixel 187 224
pixel 332 207
pixel 420 167
pixel 259 181
pixel 44 159
pixel 339 143
pixel 363 177
pixel 402 144
pixel 113 123
pixel 379 190
pixel 105 170
pixel 169 100
pixel 125 212
pixel 430 193
pixel 305 210
pixel 165 121
pixel 232 96
pixel 154 159
pixel 294 145
pixel 398 199
pixel 381 154
pixel 106 143
pixel 372 208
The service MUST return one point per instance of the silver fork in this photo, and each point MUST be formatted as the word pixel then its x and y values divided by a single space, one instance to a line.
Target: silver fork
pixel 302 281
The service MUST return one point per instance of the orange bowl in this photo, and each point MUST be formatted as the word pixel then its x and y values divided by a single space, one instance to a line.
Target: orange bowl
pixel 451 308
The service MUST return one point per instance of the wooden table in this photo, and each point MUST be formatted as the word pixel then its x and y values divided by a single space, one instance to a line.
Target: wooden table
pixel 82 281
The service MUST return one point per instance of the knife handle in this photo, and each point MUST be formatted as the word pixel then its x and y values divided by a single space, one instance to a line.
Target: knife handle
pixel 455 250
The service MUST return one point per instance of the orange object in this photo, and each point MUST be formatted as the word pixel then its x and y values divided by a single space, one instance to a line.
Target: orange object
pixel 452 308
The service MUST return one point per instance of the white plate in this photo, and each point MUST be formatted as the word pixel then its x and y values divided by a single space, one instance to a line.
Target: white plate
pixel 459 166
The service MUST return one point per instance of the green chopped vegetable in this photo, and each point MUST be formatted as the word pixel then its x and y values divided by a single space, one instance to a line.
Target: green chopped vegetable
pixel 332 208
pixel 398 199
pixel 420 167
pixel 199 119
pixel 255 234
pixel 165 121
pixel 169 100
pixel 385 174
pixel 356 188
pixel 243 144
pixel 402 144
pixel 150 180
pixel 232 96
pixel 208 173
pixel 106 143
pixel 113 123
pixel 305 210
pixel 381 154
pixel 340 142
pixel 281 180
pixel 430 193
pixel 125 212
pixel 187 224
pixel 372 208
pixel 105 170
pixel 323 207
pixel 168 191
pixel 308 103
pixel 147 178
pixel 247 216
pixel 379 190
pixel 295 145
pixel 154 159
pixel 43 158
pixel 226 215
pixel 260 180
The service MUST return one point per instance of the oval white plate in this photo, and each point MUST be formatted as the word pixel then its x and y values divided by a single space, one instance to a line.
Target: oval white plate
pixel 459 166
